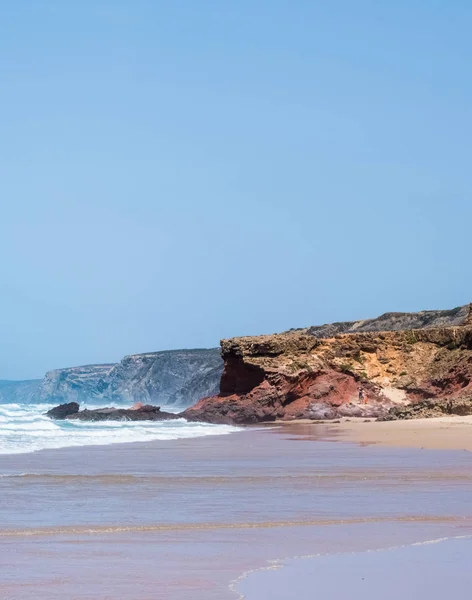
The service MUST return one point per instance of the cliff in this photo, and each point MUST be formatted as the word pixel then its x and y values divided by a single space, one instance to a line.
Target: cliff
pixel 179 377
pixel 396 321
pixel 399 359
pixel 74 384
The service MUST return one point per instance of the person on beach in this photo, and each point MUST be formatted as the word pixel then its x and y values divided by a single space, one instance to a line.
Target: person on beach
pixel 362 395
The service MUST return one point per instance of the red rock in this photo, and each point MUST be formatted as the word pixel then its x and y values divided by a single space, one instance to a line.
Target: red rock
pixel 298 375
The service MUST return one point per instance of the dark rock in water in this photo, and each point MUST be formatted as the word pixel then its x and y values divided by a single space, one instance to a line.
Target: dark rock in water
pixel 63 411
pixel 143 413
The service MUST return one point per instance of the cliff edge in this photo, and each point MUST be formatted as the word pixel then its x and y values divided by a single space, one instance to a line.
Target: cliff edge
pixel 399 359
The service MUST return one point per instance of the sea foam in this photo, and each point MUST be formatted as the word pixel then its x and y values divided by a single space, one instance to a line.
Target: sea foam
pixel 25 428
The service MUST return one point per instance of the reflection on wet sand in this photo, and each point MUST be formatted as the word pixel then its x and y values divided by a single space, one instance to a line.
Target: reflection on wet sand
pixel 181 519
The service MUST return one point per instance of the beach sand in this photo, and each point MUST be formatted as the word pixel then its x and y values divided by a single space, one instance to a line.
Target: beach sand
pixel 186 518
pixel 441 433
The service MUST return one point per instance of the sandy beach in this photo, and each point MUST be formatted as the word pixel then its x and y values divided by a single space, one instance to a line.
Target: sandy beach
pixel 441 433
pixel 186 518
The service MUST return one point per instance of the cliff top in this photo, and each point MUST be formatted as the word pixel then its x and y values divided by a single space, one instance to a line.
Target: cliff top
pixel 166 352
pixel 83 369
pixel 397 321
pixel 433 325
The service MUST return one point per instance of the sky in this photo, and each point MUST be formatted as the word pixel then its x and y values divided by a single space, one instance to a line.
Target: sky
pixel 177 172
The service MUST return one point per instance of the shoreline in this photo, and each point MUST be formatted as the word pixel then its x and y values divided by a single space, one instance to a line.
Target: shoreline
pixel 362 574
pixel 219 505
pixel 437 433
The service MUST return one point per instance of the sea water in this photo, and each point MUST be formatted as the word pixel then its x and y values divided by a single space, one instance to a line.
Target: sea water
pixel 186 518
pixel 433 569
pixel 26 428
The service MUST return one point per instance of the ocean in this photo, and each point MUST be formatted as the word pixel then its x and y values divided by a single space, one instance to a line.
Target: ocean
pixel 208 516
pixel 26 428
pixel 433 569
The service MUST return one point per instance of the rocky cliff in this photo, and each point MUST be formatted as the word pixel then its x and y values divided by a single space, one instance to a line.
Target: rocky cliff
pixel 396 321
pixel 179 377
pixel 398 359
pixel 75 384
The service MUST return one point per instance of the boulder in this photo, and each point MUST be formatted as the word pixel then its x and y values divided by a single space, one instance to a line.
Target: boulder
pixel 144 413
pixel 63 410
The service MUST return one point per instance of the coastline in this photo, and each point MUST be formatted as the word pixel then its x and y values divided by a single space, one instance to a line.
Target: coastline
pixel 130 515
pixel 413 570
pixel 437 433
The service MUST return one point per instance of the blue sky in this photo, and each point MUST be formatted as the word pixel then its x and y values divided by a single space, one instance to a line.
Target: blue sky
pixel 172 173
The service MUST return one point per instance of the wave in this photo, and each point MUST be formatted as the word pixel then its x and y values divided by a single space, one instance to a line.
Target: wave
pixel 25 428
pixel 281 563
pixel 214 526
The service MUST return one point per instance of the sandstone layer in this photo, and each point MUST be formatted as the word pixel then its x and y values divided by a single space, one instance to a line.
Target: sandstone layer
pixel 399 359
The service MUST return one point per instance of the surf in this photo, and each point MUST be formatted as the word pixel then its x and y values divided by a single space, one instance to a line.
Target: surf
pixel 25 428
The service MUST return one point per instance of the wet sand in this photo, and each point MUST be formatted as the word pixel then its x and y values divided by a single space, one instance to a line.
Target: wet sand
pixel 185 518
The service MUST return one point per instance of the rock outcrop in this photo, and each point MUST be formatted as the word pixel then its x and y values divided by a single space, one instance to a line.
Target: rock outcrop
pixel 71 412
pixel 63 411
pixel 315 373
pixel 437 407
pixel 396 321
pixel 178 377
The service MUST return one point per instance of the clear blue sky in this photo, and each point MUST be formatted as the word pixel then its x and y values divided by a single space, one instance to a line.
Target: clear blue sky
pixel 174 172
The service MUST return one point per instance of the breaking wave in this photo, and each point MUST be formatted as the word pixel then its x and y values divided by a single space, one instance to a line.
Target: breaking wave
pixel 25 428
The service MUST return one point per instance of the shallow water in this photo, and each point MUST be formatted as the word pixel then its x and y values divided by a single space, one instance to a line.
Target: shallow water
pixel 435 570
pixel 181 519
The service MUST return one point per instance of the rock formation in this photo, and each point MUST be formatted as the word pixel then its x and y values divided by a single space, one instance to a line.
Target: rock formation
pixel 399 359
pixel 71 412
pixel 397 321
pixel 63 411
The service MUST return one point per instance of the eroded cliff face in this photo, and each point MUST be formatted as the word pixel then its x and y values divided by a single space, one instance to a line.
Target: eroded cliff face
pixel 179 377
pixel 314 374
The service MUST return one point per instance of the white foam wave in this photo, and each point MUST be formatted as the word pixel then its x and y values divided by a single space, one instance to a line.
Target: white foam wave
pixel 25 428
